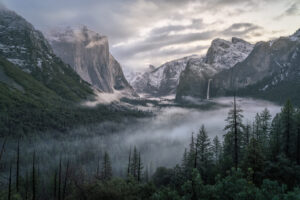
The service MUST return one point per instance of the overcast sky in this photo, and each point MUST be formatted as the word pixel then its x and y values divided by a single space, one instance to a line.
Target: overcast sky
pixel 143 32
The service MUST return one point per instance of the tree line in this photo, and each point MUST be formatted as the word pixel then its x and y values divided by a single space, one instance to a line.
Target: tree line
pixel 253 160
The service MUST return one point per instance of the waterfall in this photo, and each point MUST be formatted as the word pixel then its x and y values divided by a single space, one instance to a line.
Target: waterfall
pixel 208 87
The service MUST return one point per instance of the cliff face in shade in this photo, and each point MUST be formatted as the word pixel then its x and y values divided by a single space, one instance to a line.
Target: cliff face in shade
pixel 161 81
pixel 221 56
pixel 271 71
pixel 88 54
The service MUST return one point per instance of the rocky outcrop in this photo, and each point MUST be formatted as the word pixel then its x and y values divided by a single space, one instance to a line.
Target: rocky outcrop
pixel 221 56
pixel 87 52
pixel 271 71
pixel 161 81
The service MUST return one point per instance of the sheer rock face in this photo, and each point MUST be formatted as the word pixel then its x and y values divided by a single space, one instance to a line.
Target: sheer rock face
pixel 221 56
pixel 271 71
pixel 88 54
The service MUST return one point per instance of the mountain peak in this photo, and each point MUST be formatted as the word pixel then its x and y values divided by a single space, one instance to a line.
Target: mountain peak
pixel 224 54
pixel 87 52
pixel 235 40
pixel 76 34
pixel 151 68
pixel 295 36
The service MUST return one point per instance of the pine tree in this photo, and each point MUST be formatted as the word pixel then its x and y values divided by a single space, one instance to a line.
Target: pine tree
pixel 275 137
pixel 55 184
pixel 192 153
pixel 287 125
pixel 247 134
pixel 65 181
pixel 140 168
pixel 33 178
pixel 3 148
pixel 204 152
pixel 184 162
pixel 146 174
pixel 254 160
pixel 265 121
pixel 18 166
pixel 129 163
pixel 298 136
pixel 257 127
pixel 216 149
pixel 59 180
pixel 134 163
pixel 26 185
pixel 265 118
pixel 106 167
pixel 9 182
pixel 234 127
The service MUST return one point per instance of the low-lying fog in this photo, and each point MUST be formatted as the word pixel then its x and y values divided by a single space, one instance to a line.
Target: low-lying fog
pixel 160 139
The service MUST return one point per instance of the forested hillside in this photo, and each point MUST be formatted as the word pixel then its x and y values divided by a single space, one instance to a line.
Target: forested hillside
pixel 28 106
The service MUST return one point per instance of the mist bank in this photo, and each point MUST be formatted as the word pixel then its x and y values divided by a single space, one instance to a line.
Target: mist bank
pixel 161 139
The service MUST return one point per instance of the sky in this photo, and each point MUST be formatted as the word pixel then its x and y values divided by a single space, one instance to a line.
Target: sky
pixel 144 32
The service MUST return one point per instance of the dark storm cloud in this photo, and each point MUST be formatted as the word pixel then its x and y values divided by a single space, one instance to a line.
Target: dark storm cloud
pixel 240 29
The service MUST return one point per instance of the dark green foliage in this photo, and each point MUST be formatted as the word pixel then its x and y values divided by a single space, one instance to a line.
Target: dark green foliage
pixel 207 171
pixel 233 137
pixel 287 125
pixel 253 162
pixel 28 106
pixel 162 176
pixel 204 153
pixel 135 165
pixel 106 172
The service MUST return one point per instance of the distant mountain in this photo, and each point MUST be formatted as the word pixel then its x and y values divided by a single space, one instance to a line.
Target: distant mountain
pixel 160 81
pixel 222 55
pixel 88 54
pixel 24 46
pixel 271 71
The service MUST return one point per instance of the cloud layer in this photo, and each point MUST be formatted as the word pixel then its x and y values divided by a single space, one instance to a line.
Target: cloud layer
pixel 143 32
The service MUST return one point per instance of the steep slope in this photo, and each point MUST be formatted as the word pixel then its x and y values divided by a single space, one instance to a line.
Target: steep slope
pixel 163 80
pixel 272 71
pixel 38 92
pixel 88 54
pixel 27 48
pixel 28 106
pixel 222 55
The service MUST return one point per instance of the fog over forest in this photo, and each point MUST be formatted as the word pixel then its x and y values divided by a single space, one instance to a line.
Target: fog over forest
pixel 161 139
